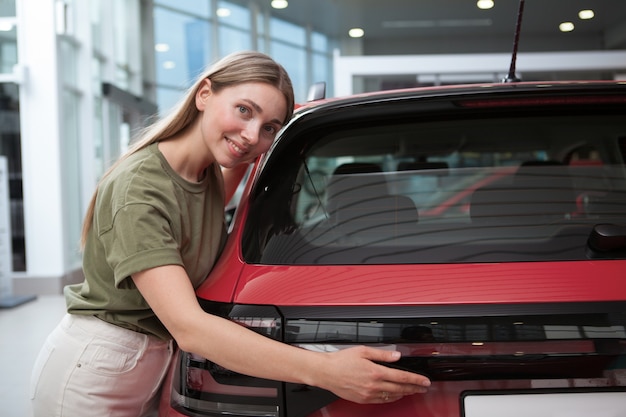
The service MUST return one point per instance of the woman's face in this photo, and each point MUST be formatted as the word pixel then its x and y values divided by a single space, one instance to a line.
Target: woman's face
pixel 240 122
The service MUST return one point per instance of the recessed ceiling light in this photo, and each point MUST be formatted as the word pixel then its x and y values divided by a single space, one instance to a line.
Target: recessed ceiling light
pixel 6 26
pixel 586 14
pixel 223 12
pixel 280 4
pixel 484 4
pixel 169 65
pixel 161 47
pixel 566 27
pixel 356 33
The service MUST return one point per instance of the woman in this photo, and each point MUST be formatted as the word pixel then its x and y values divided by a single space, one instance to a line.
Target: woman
pixel 152 233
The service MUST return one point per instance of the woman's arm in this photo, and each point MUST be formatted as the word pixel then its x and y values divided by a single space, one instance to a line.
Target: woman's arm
pixel 348 373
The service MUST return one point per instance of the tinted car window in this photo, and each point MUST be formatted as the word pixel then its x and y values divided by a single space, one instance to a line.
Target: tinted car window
pixel 517 187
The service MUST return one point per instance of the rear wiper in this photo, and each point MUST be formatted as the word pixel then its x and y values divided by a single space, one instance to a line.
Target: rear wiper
pixel 606 239
pixel 317 195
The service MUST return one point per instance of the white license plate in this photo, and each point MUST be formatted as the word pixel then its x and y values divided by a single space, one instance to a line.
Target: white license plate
pixel 570 404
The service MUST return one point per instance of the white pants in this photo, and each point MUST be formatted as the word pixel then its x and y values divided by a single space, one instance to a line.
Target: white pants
pixel 88 367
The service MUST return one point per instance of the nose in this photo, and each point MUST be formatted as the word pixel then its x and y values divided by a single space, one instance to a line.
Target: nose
pixel 251 133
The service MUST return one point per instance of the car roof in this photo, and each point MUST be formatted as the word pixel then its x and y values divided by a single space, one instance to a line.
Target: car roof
pixel 463 89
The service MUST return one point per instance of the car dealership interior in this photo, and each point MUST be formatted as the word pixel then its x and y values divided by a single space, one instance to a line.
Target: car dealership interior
pixel 78 80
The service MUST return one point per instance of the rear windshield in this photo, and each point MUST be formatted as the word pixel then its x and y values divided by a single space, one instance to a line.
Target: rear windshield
pixel 514 188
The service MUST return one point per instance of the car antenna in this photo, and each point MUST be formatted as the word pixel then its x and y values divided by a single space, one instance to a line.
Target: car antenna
pixel 511 77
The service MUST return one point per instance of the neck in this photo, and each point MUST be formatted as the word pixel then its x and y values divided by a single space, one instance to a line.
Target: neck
pixel 185 159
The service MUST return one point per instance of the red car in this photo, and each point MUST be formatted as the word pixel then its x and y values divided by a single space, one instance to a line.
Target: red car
pixel 480 230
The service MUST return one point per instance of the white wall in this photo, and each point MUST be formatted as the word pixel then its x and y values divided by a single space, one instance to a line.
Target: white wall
pixel 40 132
pixel 464 66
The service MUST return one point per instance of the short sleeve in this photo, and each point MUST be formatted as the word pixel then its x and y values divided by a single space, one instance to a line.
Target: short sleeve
pixel 140 237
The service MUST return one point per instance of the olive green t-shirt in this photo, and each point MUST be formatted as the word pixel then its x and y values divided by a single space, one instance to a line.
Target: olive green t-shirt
pixel 146 216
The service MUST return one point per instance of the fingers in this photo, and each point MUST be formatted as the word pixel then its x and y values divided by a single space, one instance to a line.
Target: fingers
pixel 394 375
pixel 393 384
pixel 396 386
pixel 357 378
pixel 380 355
pixel 389 397
pixel 405 378
pixel 388 392
pixel 396 383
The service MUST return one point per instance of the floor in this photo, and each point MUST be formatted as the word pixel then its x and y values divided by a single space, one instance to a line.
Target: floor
pixel 23 330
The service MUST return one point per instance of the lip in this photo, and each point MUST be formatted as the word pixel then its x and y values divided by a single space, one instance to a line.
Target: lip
pixel 235 148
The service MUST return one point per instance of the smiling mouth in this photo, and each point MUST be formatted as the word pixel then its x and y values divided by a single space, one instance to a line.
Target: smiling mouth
pixel 235 147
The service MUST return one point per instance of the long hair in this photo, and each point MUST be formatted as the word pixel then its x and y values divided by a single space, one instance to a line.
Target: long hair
pixel 236 68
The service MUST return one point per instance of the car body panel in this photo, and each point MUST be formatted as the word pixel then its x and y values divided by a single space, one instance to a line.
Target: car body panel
pixel 432 284
pixel 445 399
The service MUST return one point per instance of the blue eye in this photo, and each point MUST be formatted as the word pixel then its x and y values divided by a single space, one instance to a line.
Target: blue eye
pixel 270 130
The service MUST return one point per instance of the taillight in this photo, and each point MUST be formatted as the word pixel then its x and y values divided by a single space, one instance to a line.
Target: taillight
pixel 203 388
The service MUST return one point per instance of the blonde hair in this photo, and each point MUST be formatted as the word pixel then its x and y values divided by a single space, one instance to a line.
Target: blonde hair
pixel 233 69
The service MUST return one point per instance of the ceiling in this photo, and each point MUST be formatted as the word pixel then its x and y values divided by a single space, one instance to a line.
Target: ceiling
pixel 453 26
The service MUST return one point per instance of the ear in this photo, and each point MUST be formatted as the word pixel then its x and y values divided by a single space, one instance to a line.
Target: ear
pixel 203 93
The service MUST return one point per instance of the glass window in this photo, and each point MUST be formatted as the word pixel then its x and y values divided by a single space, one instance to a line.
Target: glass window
pixel 184 44
pixel 96 24
pixel 262 45
pixel 183 47
pixel 261 21
pixel 7 8
pixel 66 24
pixel 232 40
pixel 518 188
pixel 321 70
pixel 68 63
pixel 199 8
pixel 294 60
pixel 11 147
pixel 167 97
pixel 127 46
pixel 99 161
pixel 319 42
pixel 70 172
pixel 8 46
pixel 233 15
pixel 114 116
pixel 282 30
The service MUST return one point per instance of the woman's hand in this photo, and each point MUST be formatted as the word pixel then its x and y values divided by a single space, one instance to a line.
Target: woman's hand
pixel 352 375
